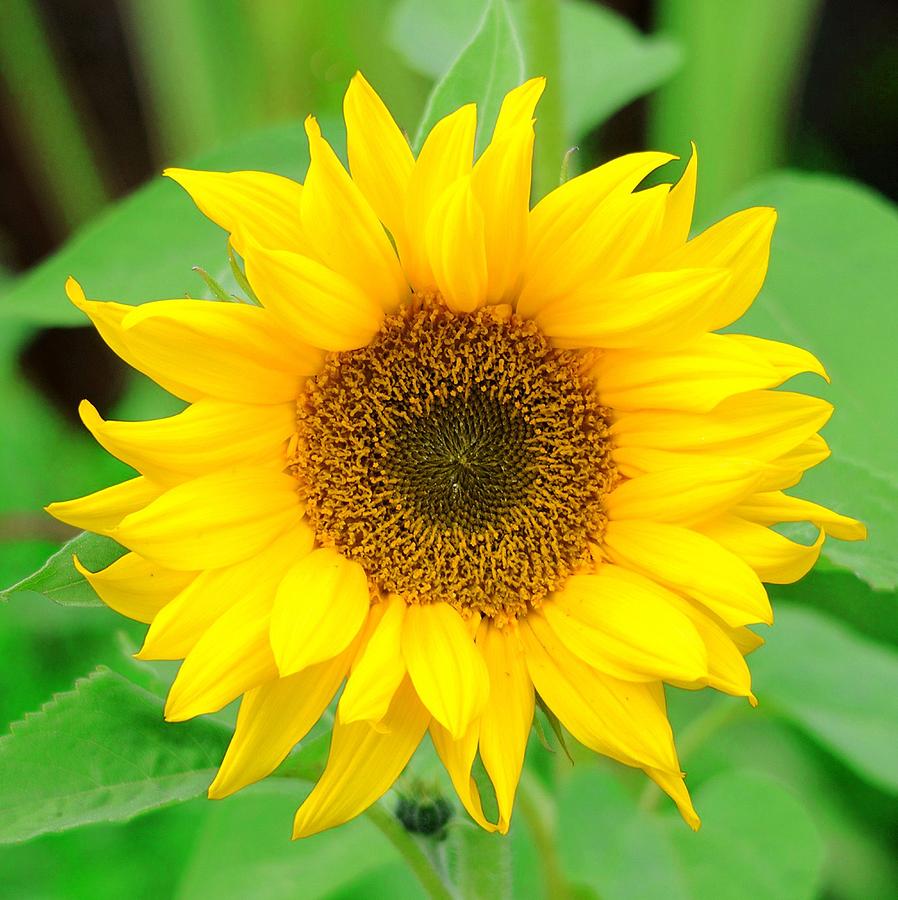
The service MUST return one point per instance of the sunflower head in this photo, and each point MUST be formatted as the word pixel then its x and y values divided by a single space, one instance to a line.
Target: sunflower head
pixel 463 455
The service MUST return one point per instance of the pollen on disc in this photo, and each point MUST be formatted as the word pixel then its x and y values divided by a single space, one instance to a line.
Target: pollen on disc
pixel 458 458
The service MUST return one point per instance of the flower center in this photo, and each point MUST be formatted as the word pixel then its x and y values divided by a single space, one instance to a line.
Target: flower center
pixel 458 458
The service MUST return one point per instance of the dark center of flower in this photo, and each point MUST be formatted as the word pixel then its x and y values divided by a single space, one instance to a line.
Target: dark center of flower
pixel 457 458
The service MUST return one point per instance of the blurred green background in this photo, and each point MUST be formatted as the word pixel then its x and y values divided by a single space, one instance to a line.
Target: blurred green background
pixel 793 103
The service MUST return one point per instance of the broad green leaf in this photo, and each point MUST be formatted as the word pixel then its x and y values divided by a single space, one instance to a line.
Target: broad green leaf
pixel 59 581
pixel 489 66
pixel 100 753
pixel 831 288
pixel 756 842
pixel 143 247
pixel 838 687
pixel 245 851
pixel 605 62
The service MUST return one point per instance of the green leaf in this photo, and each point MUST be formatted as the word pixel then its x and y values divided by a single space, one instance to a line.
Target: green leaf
pixel 605 62
pixel 756 842
pixel 100 753
pixel 58 579
pixel 831 288
pixel 838 687
pixel 489 66
pixel 144 247
pixel 245 851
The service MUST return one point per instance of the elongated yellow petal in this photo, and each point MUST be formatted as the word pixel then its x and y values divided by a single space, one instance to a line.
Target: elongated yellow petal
pixel 785 358
pixel 501 184
pixel 507 716
pixel 679 208
pixel 740 243
pixel 183 621
pixel 380 158
pixel 232 657
pixel 693 377
pixel 458 757
pixel 227 350
pixel 563 212
pixel 673 784
pixel 456 251
pixel 447 155
pixel 321 604
pixel 621 719
pixel 686 494
pixel 769 508
pixel 693 563
pixel 210 434
pixel 378 670
pixel 213 521
pixel 774 557
pixel 343 229
pixel 363 764
pixel 626 630
pixel 318 305
pixel 260 204
pixel 273 718
pixel 786 471
pixel 599 252
pixel 103 510
pixel 135 587
pixel 447 670
pixel 760 425
pixel 652 308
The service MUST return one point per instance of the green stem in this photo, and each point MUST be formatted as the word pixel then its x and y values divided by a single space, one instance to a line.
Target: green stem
pixel 410 851
pixel 542 43
pixel 535 805
pixel 57 147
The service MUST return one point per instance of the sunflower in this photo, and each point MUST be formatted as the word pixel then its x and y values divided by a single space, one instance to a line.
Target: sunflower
pixel 463 456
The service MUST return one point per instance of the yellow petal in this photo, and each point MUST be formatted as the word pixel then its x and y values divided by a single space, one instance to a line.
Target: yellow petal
pixel 629 631
pixel 599 252
pixel 774 558
pixel 343 229
pixel 378 670
pixel 214 520
pixel 501 183
pixel 456 248
pixel 227 350
pixel 103 510
pixel 769 508
pixel 760 425
pixel 785 471
pixel 363 764
pixel 208 435
pixel 447 670
pixel 507 716
pixel 693 563
pixel 272 719
pixel 674 786
pixel 321 605
pixel 183 621
pixel 380 158
pixel 232 657
pixel 458 757
pixel 318 305
pixel 621 719
pixel 655 307
pixel 135 587
pixel 263 205
pixel 562 213
pixel 686 494
pixel 787 359
pixel 693 377
pixel 740 243
pixel 446 156
pixel 678 212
